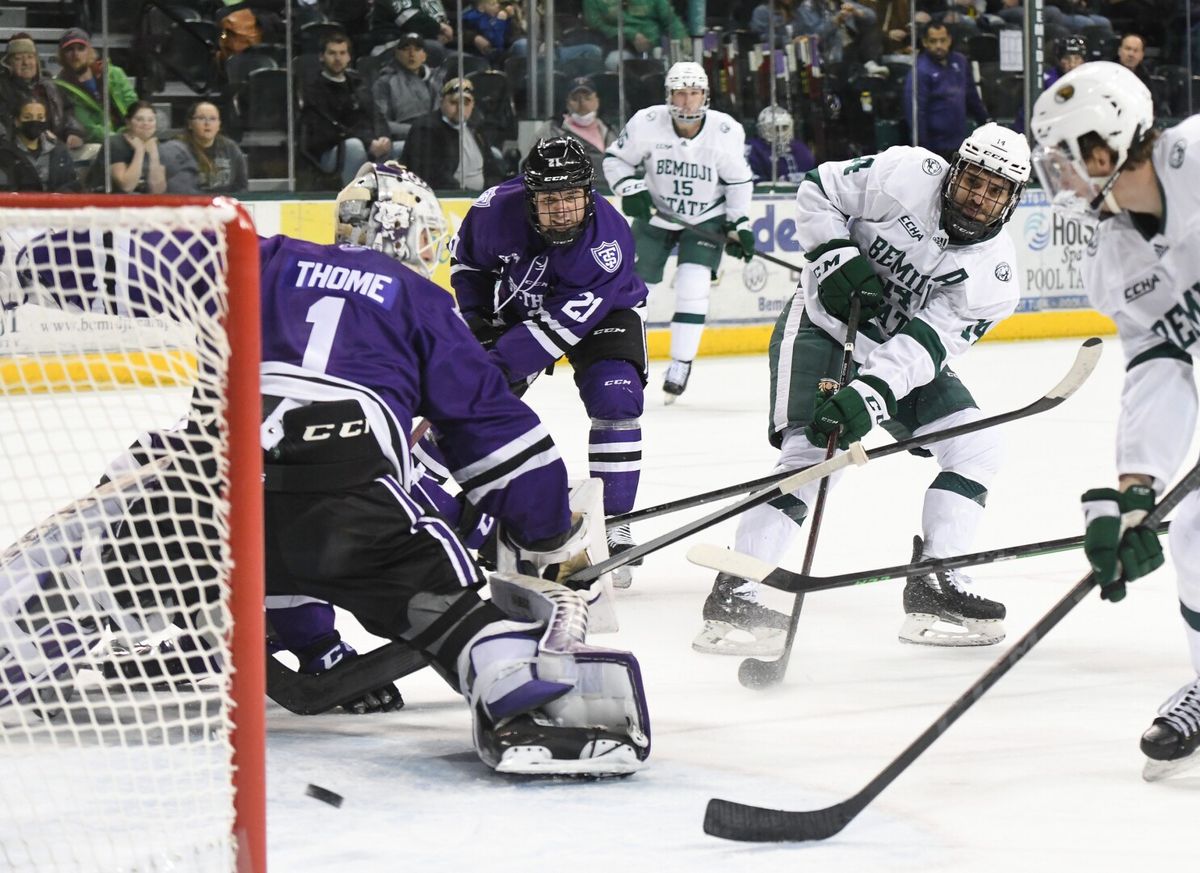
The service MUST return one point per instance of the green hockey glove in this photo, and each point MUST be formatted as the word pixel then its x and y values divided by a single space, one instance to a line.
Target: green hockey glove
pixel 855 409
pixel 635 198
pixel 840 269
pixel 739 240
pixel 1118 556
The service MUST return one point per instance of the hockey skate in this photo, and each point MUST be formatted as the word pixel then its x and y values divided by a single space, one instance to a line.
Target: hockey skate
pixel 1172 743
pixel 676 380
pixel 736 623
pixel 619 540
pixel 532 744
pixel 941 612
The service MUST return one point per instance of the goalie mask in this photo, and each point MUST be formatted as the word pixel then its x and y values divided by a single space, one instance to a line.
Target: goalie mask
pixel 390 209
pixel 984 185
pixel 1099 103
pixel 686 76
pixel 558 189
pixel 775 127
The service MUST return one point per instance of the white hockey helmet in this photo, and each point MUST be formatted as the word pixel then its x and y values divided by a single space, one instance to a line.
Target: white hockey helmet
pixel 970 212
pixel 1099 98
pixel 687 74
pixel 390 209
pixel 776 127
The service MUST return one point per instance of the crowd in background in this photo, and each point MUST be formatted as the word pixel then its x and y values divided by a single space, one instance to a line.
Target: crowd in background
pixel 384 79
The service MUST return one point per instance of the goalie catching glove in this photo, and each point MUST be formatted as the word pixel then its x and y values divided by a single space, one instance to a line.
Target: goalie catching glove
pixel 1118 548
pixel 855 409
pixel 840 269
pixel 740 241
pixel 554 558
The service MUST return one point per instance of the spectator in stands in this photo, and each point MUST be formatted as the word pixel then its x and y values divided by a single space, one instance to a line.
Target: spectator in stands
pixel 340 123
pixel 134 162
pixel 391 19
pixel 433 149
pixel 406 87
pixel 1072 51
pixel 44 158
pixel 946 94
pixel 582 122
pixel 645 22
pixel 776 135
pixel 1131 53
pixel 490 29
pixel 80 81
pixel 847 30
pixel 21 78
pixel 1077 14
pixel 202 160
pixel 784 13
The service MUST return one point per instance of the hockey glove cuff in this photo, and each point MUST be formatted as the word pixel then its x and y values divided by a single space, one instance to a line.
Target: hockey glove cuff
pixel 739 240
pixel 840 269
pixel 855 409
pixel 635 198
pixel 1118 549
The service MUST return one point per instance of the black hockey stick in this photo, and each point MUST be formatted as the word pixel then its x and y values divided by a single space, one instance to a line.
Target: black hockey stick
pixel 719 240
pixel 1085 362
pixel 755 672
pixel 738 821
pixel 737 564
pixel 306 694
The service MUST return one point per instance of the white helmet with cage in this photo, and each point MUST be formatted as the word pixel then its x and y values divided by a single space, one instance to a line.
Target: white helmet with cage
pixel 775 127
pixel 1100 98
pixel 973 207
pixel 687 74
pixel 390 209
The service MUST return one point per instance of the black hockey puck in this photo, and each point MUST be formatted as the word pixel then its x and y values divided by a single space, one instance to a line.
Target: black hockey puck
pixel 756 674
pixel 324 795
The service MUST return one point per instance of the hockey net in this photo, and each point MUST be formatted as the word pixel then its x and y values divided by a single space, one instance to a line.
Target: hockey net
pixel 131 631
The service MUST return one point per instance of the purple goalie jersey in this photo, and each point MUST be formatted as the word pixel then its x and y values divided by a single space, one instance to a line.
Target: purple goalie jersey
pixel 792 164
pixel 342 322
pixel 551 296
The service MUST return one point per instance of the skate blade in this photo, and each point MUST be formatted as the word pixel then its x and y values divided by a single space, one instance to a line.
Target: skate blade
pixel 1154 770
pixel 923 629
pixel 722 638
pixel 606 758
pixel 622 577
pixel 669 398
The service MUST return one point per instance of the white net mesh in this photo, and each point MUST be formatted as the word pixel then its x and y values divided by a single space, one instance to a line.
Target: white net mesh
pixel 115 720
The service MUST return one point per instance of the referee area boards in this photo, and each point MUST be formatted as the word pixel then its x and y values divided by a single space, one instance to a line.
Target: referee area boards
pixel 743 306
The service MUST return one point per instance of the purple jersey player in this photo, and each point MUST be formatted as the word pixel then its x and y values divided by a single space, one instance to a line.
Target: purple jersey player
pixel 543 269
pixel 792 157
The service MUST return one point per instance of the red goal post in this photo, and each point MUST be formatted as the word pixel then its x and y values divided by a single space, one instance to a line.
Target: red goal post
pixel 48 389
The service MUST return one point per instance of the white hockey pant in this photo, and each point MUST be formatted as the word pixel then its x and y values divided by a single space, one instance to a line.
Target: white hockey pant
pixel 1185 553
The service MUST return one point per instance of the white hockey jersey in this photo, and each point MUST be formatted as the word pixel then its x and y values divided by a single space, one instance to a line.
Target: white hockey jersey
pixel 691 179
pixel 1145 275
pixel 940 297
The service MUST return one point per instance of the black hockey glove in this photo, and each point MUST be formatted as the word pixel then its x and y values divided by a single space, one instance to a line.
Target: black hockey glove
pixel 1119 556
pixel 840 269
pixel 385 699
pixel 739 240
pixel 485 328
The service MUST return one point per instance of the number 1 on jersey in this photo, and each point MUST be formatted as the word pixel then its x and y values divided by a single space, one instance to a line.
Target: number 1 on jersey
pixel 324 316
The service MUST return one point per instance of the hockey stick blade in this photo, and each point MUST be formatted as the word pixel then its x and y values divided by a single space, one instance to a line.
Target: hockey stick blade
pixel 747 567
pixel 313 694
pixel 737 821
pixel 855 455
pixel 1085 362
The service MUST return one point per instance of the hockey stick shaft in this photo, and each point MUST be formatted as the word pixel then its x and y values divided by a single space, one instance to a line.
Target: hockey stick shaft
pixel 724 560
pixel 759 673
pixel 1084 364
pixel 312 694
pixel 855 456
pixel 717 239
pixel 735 821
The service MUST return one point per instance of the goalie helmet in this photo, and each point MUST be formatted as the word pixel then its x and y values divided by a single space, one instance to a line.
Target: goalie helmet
pixel 390 209
pixel 687 74
pixel 1101 99
pixel 1072 45
pixel 775 127
pixel 558 166
pixel 974 208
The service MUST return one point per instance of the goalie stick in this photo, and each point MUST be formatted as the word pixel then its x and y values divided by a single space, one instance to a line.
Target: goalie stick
pixel 312 694
pixel 738 564
pixel 739 821
pixel 1081 369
